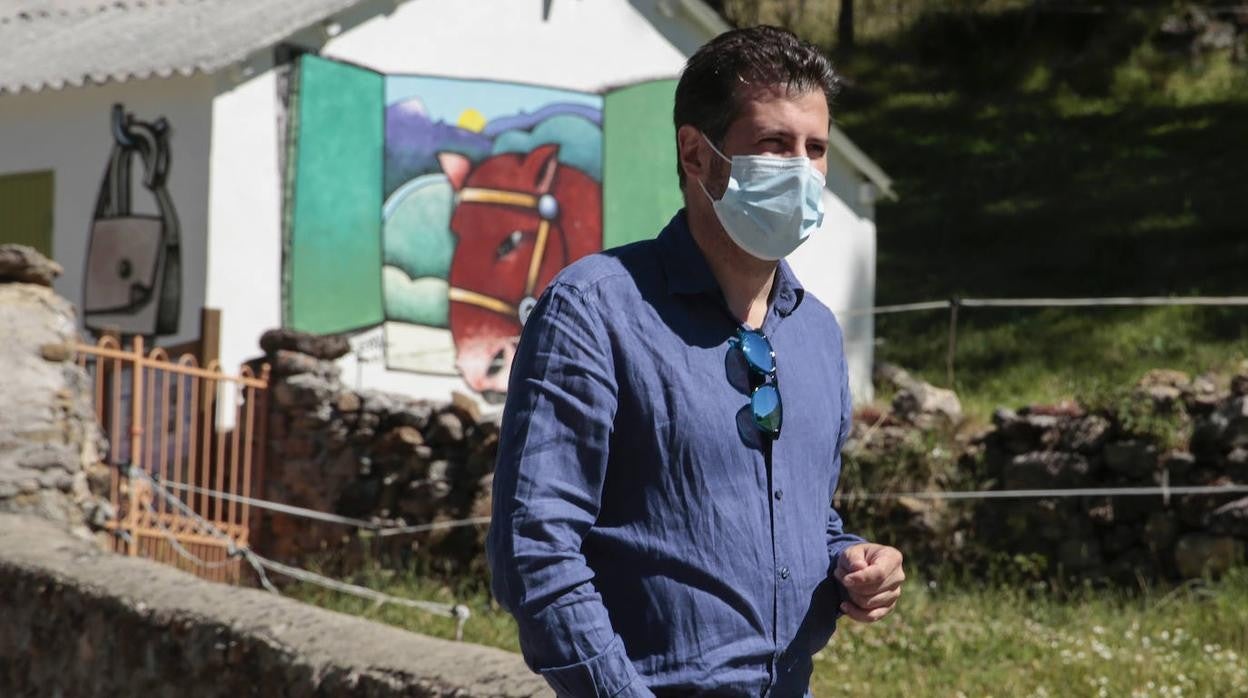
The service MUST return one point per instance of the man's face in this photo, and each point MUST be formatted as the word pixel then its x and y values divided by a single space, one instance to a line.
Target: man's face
pixel 773 121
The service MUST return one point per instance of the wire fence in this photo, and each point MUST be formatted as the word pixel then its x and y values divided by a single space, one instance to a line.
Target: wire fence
pixel 956 303
pixel 460 613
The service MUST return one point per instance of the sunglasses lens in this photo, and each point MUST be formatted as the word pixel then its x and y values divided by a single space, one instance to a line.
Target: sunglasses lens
pixel 757 351
pixel 765 404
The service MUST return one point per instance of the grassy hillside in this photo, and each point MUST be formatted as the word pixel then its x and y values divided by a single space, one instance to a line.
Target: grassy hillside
pixel 1054 154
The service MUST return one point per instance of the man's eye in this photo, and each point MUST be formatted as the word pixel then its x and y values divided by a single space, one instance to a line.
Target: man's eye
pixel 509 244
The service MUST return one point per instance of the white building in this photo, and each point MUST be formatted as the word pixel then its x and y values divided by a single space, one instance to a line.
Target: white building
pixel 259 153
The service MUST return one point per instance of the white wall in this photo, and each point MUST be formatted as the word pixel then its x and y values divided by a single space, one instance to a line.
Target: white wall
pixel 68 131
pixel 245 215
pixel 584 45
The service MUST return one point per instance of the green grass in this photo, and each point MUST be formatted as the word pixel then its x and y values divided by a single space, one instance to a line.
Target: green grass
pixel 1017 357
pixel 948 640
pixel 1052 155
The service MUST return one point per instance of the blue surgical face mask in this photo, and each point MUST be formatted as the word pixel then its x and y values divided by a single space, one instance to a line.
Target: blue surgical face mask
pixel 772 204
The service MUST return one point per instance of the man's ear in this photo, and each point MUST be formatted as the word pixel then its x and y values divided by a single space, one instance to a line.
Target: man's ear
pixel 691 152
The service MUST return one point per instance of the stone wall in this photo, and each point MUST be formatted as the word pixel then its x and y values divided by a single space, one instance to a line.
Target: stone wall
pixel 369 454
pixel 1121 537
pixel 1169 429
pixel 49 439
pixel 82 622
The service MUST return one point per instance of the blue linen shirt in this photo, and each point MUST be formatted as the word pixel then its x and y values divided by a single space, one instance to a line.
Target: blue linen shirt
pixel 646 537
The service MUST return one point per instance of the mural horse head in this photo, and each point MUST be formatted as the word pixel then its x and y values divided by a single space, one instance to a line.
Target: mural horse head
pixel 520 218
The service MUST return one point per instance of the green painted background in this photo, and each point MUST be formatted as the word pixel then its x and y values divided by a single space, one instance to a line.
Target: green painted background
pixel 26 210
pixel 640 189
pixel 333 244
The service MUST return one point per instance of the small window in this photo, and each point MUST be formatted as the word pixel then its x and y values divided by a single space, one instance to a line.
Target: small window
pixel 26 209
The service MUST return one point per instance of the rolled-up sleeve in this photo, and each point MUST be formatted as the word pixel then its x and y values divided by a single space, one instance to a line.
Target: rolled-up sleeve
pixel 548 483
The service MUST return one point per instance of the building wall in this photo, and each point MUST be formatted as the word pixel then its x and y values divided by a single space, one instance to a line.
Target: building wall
pixel 231 212
pixel 68 132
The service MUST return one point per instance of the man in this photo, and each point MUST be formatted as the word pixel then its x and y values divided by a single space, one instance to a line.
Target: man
pixel 671 442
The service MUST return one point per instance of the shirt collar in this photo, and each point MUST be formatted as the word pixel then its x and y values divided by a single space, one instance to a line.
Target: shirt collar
pixel 688 273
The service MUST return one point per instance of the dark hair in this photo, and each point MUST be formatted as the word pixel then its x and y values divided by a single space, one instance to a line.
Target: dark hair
pixel 706 96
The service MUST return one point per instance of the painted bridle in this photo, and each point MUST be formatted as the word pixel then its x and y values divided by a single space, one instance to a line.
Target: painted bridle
pixel 547 208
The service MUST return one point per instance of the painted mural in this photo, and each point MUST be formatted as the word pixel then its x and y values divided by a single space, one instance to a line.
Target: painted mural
pixel 133 273
pixel 440 208
pixel 491 189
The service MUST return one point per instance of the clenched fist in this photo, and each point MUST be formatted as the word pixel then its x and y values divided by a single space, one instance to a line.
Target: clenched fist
pixel 872 575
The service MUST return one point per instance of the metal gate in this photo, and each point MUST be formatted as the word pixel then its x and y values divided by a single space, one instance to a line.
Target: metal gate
pixel 177 474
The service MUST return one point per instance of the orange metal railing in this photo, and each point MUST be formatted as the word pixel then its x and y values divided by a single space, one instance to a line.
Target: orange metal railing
pixel 161 417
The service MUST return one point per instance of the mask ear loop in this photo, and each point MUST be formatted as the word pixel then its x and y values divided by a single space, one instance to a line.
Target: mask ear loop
pixel 723 157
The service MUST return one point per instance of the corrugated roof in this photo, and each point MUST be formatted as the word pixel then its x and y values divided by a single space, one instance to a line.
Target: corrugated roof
pixel 54 43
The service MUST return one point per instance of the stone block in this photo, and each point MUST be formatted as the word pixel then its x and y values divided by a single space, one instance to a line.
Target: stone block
pixel 57 352
pixel 1047 470
pixel 325 347
pixel 1133 458
pixel 447 428
pixel 348 401
pixel 1086 435
pixel 1201 555
pixel 1231 519
pixel 26 265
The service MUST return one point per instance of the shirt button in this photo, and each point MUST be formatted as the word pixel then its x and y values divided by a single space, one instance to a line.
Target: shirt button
pixel 784 572
pixel 779 494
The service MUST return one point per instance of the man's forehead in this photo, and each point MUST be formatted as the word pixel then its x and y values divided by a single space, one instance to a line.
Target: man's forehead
pixel 779 106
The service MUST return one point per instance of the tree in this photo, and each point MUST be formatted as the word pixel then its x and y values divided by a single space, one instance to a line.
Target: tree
pixel 845 26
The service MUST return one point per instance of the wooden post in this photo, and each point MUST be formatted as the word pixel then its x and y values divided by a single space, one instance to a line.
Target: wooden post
pixel 209 336
pixel 136 444
pixel 953 340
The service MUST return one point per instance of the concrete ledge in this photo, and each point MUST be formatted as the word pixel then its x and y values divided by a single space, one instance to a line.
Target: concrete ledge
pixel 78 621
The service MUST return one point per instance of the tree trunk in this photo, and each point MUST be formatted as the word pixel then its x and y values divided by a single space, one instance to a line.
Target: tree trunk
pixel 845 26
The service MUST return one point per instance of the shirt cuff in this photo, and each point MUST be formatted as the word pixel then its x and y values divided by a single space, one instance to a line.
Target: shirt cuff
pixel 610 674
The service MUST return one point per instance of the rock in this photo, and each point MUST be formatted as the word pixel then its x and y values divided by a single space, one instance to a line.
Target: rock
pixel 285 363
pixel 1236 465
pixel 1200 555
pixel 1207 436
pixel 1025 433
pixel 1160 530
pixel 57 352
pixel 1046 470
pixel 1133 458
pixel 447 429
pixel 467 408
pixel 1164 388
pixel 302 391
pixel 1164 377
pixel 1086 435
pixel 1202 386
pixel 402 440
pixel 324 347
pixel 1239 385
pixel 1236 433
pixel 1122 510
pixel 26 265
pixel 927 406
pixel 1178 464
pixel 892 376
pixel 1231 519
pixel 1194 510
pixel 348 402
